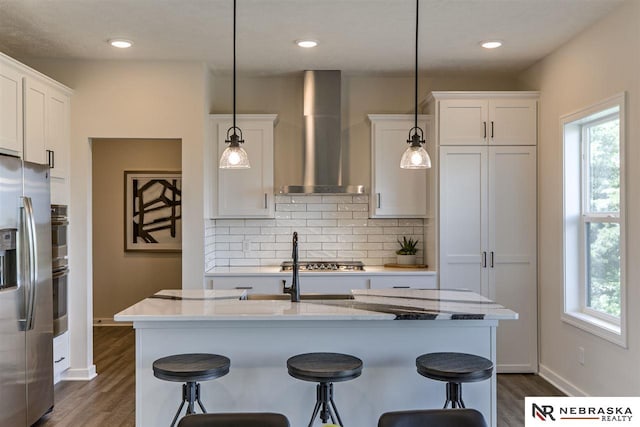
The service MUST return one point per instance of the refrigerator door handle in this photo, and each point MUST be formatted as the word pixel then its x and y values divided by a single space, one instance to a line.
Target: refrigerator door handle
pixel 33 261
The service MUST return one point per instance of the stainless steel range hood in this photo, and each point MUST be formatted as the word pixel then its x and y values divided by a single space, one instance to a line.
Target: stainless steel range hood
pixel 322 166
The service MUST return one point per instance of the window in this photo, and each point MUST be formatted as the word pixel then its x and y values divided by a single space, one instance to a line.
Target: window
pixel 594 219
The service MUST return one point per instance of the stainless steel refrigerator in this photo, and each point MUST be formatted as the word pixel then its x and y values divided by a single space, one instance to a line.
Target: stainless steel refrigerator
pixel 26 308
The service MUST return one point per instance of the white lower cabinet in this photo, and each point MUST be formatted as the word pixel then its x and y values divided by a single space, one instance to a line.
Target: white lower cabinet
pixel 60 356
pixel 405 281
pixel 488 238
pixel 252 284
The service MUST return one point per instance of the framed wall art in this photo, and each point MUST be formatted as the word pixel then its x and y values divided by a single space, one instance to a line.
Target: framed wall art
pixel 153 211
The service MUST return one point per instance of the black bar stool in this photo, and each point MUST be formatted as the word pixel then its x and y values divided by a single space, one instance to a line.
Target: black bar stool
pixel 255 419
pixel 455 369
pixel 325 369
pixel 191 368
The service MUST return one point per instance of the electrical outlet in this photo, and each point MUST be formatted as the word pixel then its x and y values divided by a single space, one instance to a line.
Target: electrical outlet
pixel 581 355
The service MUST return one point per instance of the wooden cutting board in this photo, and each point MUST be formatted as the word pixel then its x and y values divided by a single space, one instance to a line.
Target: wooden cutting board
pixel 406 266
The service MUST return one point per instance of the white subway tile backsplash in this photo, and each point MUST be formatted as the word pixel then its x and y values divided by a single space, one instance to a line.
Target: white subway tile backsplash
pixel 260 223
pixel 367 230
pixel 321 207
pixel 358 207
pixel 337 246
pixel 352 222
pixel 306 199
pixel 322 222
pixel 229 223
pixel 329 227
pixel 306 215
pixel 291 223
pixel 383 238
pixel 361 199
pixel 352 238
pixel 283 199
pixel 322 238
pixel 337 199
pixel 290 207
pixel 337 215
pixel 322 255
pixel 356 255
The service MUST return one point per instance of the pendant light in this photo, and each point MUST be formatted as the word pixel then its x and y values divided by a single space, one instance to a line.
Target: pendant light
pixel 234 156
pixel 415 156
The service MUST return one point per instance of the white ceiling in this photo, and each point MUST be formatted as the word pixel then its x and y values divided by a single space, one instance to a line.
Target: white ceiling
pixel 354 35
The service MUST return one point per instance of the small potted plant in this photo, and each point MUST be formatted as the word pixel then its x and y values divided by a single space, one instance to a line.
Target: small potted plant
pixel 407 252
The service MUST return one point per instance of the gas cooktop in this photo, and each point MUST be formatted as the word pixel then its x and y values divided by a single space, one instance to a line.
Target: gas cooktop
pixel 324 266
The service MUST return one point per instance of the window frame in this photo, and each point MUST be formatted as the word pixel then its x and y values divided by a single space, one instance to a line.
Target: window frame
pixel 576 216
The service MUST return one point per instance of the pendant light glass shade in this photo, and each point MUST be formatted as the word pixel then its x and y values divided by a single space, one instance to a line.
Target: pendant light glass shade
pixel 234 156
pixel 415 156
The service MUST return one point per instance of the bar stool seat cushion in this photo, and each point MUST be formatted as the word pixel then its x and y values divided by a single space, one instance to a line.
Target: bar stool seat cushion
pixel 454 367
pixel 434 418
pixel 191 367
pixel 257 419
pixel 324 367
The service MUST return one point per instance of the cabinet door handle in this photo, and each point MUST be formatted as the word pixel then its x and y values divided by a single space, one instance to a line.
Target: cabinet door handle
pixel 491 259
pixel 484 260
pixel 59 360
pixel 51 159
pixel 401 287
pixel 491 128
pixel 379 200
pixel 484 124
pixel 244 287
pixel 266 201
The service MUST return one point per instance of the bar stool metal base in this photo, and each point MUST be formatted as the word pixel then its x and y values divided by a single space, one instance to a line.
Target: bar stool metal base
pixel 325 405
pixel 190 395
pixel 454 396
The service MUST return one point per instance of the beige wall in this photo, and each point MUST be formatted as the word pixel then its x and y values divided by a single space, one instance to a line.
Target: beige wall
pixel 601 62
pixel 128 99
pixel 362 94
pixel 120 278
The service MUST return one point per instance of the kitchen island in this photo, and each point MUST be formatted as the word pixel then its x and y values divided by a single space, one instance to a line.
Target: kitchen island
pixel 386 328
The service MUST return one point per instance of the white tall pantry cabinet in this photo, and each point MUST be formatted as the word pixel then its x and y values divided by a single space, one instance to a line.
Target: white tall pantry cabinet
pixel 487 218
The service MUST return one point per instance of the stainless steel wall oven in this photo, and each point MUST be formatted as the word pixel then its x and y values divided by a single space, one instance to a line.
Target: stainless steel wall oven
pixel 60 267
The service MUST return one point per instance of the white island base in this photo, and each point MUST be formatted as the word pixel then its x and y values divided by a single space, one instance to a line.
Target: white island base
pixel 259 381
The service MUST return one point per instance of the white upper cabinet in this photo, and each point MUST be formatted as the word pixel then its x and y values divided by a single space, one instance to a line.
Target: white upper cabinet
pixel 243 193
pixel 58 144
pixel 10 109
pixel 35 121
pixel 396 192
pixel 487 118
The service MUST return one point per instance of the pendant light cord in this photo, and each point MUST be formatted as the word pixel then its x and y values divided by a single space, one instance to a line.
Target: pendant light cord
pixel 415 110
pixel 234 67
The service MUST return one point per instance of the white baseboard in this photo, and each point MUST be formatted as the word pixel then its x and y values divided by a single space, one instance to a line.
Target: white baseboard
pixel 108 321
pixel 84 374
pixel 561 383
pixel 515 369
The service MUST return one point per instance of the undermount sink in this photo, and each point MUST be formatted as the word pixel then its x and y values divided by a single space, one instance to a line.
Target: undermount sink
pixel 303 297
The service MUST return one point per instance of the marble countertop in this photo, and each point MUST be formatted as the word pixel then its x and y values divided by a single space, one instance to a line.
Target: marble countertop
pixel 381 304
pixel 274 270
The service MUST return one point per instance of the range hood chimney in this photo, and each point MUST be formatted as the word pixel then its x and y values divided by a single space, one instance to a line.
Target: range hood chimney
pixel 322 166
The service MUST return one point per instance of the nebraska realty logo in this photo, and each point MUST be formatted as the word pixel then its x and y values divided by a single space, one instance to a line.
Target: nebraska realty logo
pixel 582 411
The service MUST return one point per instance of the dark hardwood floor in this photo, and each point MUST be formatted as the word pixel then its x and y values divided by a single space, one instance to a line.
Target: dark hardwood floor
pixel 109 400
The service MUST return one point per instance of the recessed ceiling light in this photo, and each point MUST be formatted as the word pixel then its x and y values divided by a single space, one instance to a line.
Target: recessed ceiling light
pixel 307 43
pixel 120 43
pixel 492 44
